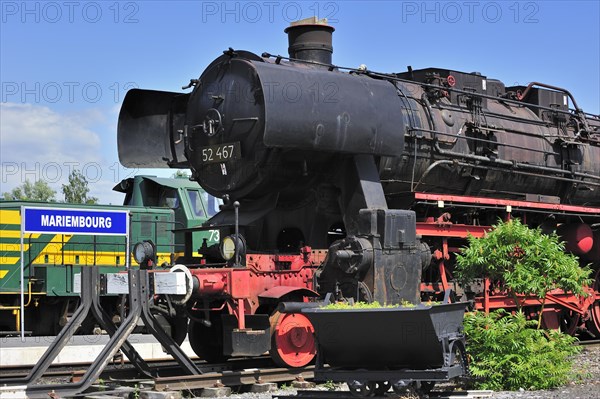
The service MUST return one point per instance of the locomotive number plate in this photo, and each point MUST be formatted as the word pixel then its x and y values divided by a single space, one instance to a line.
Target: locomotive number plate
pixel 221 152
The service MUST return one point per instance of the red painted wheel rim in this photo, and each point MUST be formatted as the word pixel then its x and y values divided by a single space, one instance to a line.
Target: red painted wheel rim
pixel 595 308
pixel 293 342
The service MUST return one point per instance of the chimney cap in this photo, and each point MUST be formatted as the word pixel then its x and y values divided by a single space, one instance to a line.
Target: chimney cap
pixel 311 21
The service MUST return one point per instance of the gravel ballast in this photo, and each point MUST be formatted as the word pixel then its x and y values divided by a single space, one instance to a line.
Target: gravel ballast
pixel 586 365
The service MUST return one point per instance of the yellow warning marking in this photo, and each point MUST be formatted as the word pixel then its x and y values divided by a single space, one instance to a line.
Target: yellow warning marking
pixel 10 217
pixel 53 248
pixel 13 247
pixel 53 253
pixel 17 234
pixel 3 273
pixel 18 292
pixel 85 258
pixel 105 258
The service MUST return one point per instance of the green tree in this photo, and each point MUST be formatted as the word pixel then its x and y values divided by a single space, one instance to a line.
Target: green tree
pixel 523 261
pixel 37 191
pixel 76 192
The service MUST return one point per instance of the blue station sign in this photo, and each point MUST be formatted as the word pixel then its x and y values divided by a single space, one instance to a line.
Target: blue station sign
pixel 75 221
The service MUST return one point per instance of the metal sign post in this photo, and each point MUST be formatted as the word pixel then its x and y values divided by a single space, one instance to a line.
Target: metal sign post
pixel 69 221
pixel 22 309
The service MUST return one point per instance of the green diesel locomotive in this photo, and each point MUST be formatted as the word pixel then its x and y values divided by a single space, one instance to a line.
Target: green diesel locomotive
pixel 156 206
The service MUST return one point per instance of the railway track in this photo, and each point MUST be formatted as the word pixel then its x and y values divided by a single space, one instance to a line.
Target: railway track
pixel 123 376
pixel 234 373
pixel 234 378
pixel 590 342
pixel 167 367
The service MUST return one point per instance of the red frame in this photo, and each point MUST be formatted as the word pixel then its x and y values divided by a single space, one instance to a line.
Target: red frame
pixel 505 202
pixel 274 276
pixel 556 300
pixel 264 276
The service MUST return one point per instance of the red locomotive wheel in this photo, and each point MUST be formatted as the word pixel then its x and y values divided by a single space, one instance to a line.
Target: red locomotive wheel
pixel 570 321
pixel 292 340
pixel 594 323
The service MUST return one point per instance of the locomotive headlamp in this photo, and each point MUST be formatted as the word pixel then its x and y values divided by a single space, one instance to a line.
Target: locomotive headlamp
pixel 144 252
pixel 227 248
pixel 231 245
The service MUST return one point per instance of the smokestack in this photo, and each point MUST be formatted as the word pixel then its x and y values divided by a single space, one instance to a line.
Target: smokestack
pixel 310 40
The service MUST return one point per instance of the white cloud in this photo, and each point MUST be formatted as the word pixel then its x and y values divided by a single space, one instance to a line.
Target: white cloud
pixel 37 142
pixel 32 133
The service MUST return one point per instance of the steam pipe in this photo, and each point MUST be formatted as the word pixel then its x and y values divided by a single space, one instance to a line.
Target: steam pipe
pixel 547 86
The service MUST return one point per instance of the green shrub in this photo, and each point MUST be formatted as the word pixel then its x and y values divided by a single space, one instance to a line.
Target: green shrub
pixel 365 305
pixel 356 305
pixel 524 261
pixel 507 352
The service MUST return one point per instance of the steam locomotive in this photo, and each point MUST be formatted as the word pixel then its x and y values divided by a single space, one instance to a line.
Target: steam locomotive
pixel 360 184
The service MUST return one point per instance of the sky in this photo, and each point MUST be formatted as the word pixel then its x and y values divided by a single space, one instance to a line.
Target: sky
pixel 65 66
